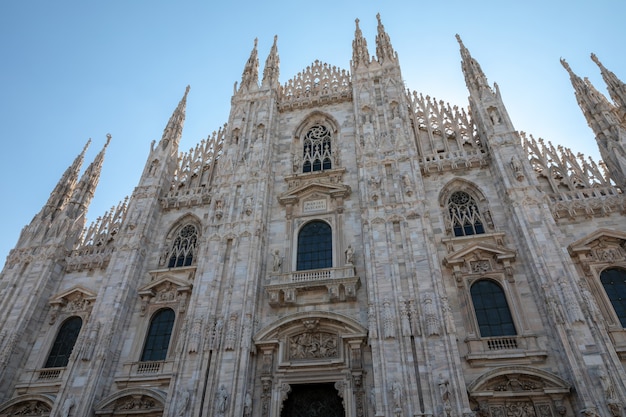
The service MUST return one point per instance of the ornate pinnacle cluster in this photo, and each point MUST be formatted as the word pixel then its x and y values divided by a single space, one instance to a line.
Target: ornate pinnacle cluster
pixel 62 193
pixel 86 187
pixel 250 76
pixel 475 78
pixel 174 128
pixel 384 50
pixel 271 70
pixel 360 54
pixel 604 119
pixel 617 89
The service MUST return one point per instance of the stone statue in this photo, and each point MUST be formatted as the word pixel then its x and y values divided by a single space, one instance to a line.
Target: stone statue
pixel 247 405
pixel 277 261
pixel 68 404
pixel 221 403
pixel 396 392
pixel 183 403
pixel 349 255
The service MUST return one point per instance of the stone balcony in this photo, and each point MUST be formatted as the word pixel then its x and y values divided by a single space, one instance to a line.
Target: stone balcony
pixel 40 380
pixel 137 373
pixel 518 349
pixel 339 284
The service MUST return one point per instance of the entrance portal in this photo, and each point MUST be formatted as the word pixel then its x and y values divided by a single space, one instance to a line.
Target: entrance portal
pixel 313 400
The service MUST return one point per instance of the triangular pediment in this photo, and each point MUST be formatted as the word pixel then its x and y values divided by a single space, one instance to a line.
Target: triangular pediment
pixel 480 251
pixel 310 189
pixel 162 285
pixel 73 293
pixel 599 238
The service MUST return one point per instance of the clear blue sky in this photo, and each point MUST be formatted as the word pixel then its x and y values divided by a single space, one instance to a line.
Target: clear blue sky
pixel 72 70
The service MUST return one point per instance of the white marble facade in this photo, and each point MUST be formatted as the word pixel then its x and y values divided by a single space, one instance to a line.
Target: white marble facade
pixel 413 204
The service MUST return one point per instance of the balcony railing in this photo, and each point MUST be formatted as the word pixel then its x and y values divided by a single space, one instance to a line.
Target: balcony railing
pixel 511 349
pixel 340 283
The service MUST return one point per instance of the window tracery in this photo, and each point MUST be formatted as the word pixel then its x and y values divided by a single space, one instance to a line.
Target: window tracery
pixel 183 249
pixel 464 215
pixel 317 149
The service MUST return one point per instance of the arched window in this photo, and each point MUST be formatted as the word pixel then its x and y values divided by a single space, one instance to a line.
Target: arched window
pixel 614 283
pixel 492 311
pixel 465 217
pixel 315 246
pixel 159 334
pixel 317 149
pixel 184 247
pixel 64 343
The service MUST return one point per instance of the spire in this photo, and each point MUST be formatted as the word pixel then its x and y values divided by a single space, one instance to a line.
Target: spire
pixel 86 187
pixel 174 128
pixel 384 50
pixel 360 55
pixel 602 117
pixel 272 65
pixel 61 194
pixel 617 89
pixel 593 103
pixel 250 76
pixel 475 79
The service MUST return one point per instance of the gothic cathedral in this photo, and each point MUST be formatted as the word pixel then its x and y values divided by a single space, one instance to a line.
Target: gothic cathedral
pixel 340 247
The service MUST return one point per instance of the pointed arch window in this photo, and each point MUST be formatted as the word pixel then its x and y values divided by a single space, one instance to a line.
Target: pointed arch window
pixel 491 309
pixel 614 283
pixel 159 334
pixel 317 149
pixel 465 217
pixel 315 246
pixel 64 343
pixel 184 247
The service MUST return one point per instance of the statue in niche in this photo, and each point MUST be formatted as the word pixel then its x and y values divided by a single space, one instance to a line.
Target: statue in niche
pixel 494 116
pixel 396 393
pixel 349 255
pixel 221 403
pixel 68 404
pixel 277 262
pixel 183 403
pixel 247 405
pixel 516 166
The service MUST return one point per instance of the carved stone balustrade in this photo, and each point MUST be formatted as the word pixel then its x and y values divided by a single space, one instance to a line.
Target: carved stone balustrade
pixel 340 284
pixel 137 373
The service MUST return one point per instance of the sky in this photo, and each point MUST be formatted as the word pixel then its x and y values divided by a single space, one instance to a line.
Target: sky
pixel 71 70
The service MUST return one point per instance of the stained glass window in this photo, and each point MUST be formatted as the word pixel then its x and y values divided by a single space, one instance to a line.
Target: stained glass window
pixel 614 283
pixel 315 246
pixel 159 334
pixel 184 247
pixel 464 215
pixel 492 310
pixel 64 343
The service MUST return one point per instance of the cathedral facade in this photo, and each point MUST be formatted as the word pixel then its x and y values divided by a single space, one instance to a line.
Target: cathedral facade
pixel 340 247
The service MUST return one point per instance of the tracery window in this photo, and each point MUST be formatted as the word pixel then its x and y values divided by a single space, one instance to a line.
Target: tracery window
pixel 317 149
pixel 64 343
pixel 184 247
pixel 614 283
pixel 491 309
pixel 465 217
pixel 159 334
pixel 315 246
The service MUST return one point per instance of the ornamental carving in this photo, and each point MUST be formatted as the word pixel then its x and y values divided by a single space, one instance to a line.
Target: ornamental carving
pixel 73 301
pixel 31 408
pixel 135 403
pixel 316 345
